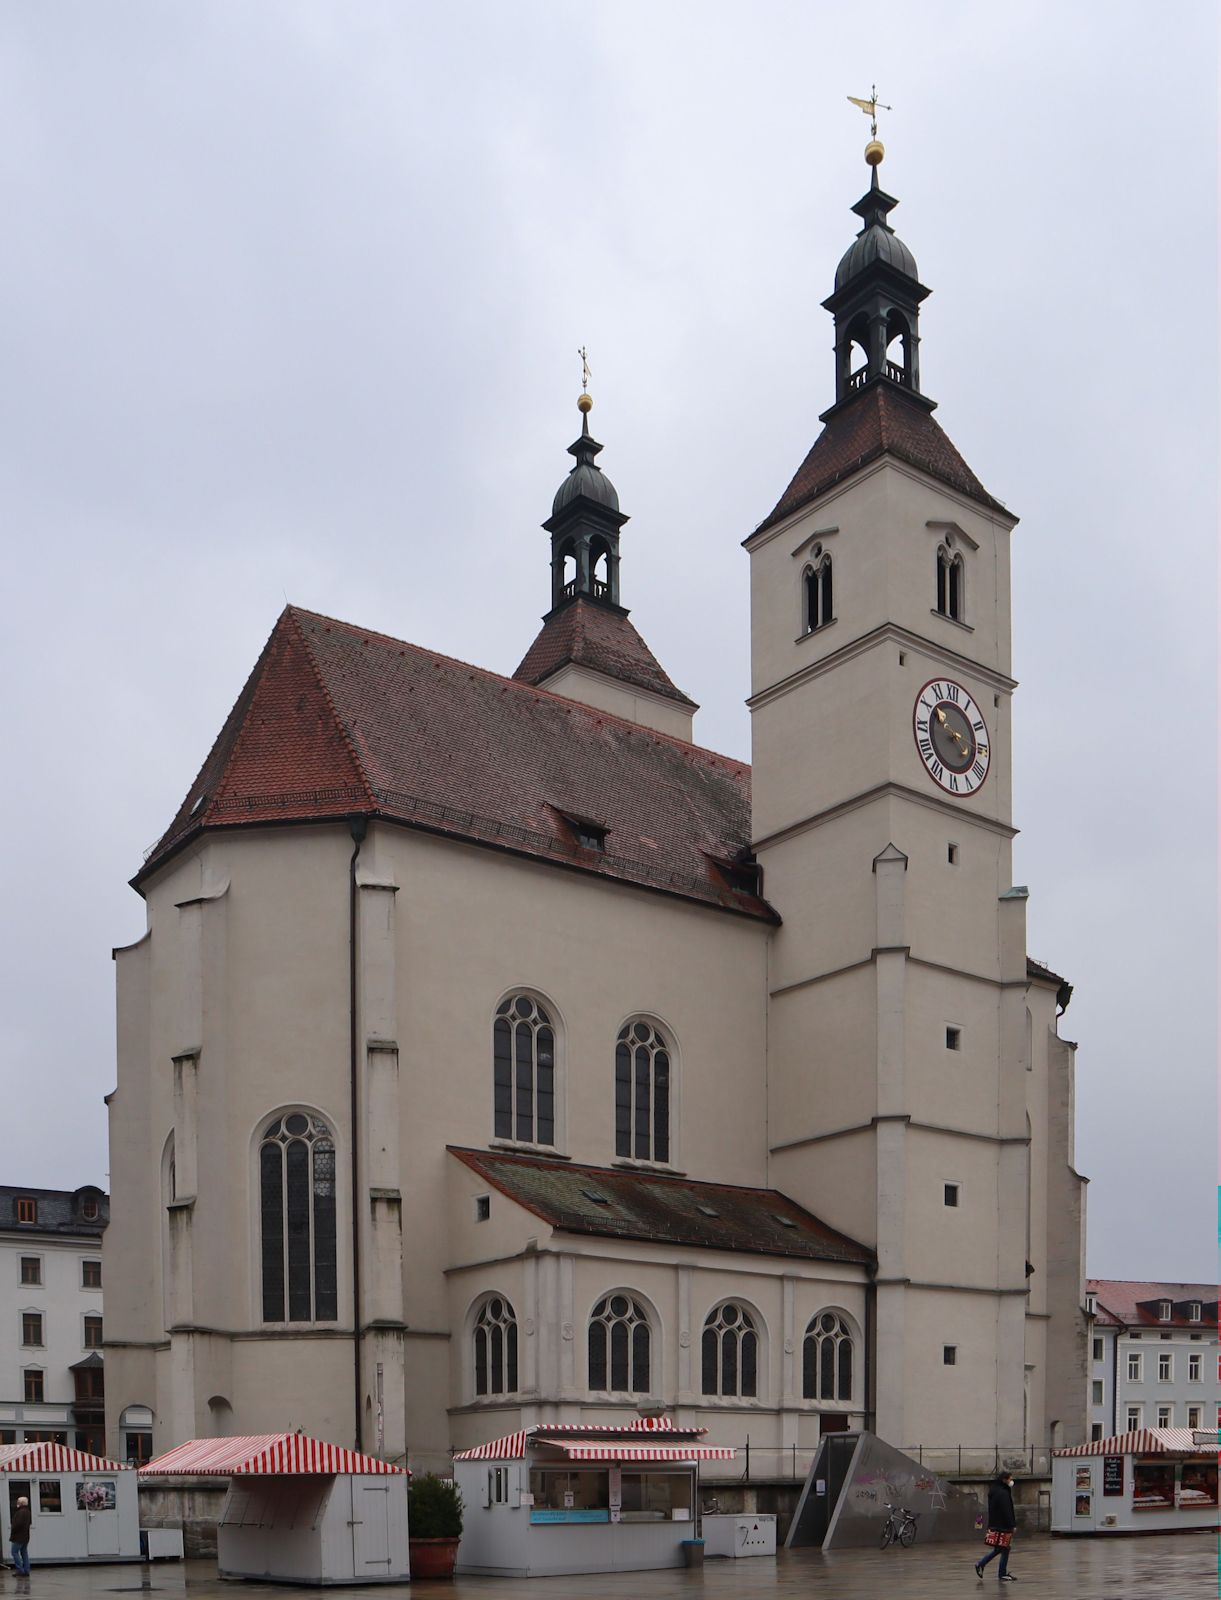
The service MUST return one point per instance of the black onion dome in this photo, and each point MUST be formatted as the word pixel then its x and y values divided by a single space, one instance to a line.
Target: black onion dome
pixel 877 243
pixel 586 478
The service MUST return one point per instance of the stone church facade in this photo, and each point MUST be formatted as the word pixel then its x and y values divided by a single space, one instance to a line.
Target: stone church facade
pixel 395 1161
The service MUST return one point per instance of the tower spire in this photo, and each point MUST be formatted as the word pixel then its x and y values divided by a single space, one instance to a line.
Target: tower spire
pixel 585 520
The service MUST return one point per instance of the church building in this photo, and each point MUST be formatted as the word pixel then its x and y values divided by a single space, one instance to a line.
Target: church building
pixel 393 1160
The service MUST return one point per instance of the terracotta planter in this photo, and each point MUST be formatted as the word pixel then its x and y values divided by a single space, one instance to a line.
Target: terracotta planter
pixel 433 1558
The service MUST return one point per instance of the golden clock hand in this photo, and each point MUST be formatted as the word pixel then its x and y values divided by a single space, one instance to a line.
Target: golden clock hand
pixel 940 714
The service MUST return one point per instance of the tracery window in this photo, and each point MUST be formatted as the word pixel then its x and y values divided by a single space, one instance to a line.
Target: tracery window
pixel 730 1352
pixel 619 1346
pixel 826 1359
pixel 523 1054
pixel 297 1216
pixel 496 1347
pixel 642 1093
pixel 950 584
pixel 819 594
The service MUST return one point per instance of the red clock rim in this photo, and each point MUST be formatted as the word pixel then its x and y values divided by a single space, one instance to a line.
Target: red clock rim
pixel 958 794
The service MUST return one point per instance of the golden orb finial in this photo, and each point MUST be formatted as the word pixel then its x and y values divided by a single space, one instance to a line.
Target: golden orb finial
pixel 585 402
pixel 874 151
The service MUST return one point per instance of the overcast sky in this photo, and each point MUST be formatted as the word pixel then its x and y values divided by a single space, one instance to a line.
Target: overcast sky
pixel 290 298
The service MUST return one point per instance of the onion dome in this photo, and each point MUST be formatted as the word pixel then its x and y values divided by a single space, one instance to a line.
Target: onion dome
pixel 586 479
pixel 877 240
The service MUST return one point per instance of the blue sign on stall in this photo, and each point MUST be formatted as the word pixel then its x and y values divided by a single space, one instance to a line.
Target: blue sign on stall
pixel 568 1516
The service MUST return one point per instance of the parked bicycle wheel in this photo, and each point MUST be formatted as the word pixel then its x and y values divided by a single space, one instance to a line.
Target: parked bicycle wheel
pixel 907 1534
pixel 888 1533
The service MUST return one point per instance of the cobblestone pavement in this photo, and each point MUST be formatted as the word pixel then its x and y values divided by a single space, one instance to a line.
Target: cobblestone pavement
pixel 1173 1567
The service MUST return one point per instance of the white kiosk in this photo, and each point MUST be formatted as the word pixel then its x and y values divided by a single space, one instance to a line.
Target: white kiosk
pixel 300 1510
pixel 1154 1480
pixel 83 1507
pixel 574 1497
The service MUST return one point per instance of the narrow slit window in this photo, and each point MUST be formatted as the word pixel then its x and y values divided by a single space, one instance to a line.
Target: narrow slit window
pixel 953 1038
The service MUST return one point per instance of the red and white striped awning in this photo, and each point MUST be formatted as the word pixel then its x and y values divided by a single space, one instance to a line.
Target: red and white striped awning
pixel 53 1458
pixel 263 1455
pixel 1143 1442
pixel 611 1450
pixel 512 1447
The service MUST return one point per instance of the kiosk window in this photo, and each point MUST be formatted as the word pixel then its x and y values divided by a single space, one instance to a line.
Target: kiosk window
pixel 561 1490
pixel 1153 1483
pixel 50 1496
pixel 657 1497
pixel 1199 1484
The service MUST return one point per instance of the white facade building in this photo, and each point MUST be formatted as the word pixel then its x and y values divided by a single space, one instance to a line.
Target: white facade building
pixel 496 1055
pixel 51 1365
pixel 1153 1356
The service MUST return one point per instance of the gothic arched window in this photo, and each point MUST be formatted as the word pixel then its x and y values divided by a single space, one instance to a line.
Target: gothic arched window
pixel 819 597
pixel 496 1347
pixel 523 1057
pixel 826 1359
pixel 951 586
pixel 730 1352
pixel 642 1093
pixel 619 1341
pixel 297 1219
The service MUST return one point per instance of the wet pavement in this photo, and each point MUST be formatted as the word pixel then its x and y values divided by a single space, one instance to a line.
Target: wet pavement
pixel 1170 1567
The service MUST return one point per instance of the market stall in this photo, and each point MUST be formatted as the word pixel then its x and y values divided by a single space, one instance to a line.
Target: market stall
pixel 1152 1480
pixel 84 1508
pixel 561 1498
pixel 300 1510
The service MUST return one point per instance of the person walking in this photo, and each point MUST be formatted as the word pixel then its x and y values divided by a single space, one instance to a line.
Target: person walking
pixel 1001 1525
pixel 19 1537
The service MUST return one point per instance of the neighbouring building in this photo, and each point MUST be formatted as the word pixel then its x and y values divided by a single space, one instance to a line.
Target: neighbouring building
pixel 1153 1356
pixel 497 1055
pixel 52 1375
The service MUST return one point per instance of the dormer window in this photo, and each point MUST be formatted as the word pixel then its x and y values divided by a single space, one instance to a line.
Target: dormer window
pixel 1163 1310
pixel 585 832
pixel 1193 1311
pixel 742 876
pixel 1091 1305
pixel 819 595
pixel 27 1208
pixel 951 582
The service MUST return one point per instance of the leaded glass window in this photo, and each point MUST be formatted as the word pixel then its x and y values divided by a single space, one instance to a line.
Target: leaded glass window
pixel 496 1348
pixel 826 1359
pixel 642 1093
pixel 523 1059
pixel 619 1343
pixel 297 1216
pixel 730 1352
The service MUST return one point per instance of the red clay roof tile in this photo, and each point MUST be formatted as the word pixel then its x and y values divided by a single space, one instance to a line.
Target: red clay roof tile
pixel 593 636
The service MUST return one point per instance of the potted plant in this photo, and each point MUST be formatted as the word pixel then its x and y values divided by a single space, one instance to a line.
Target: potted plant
pixel 434 1526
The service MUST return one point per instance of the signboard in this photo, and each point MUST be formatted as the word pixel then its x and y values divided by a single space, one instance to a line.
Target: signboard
pixel 1112 1475
pixel 544 1515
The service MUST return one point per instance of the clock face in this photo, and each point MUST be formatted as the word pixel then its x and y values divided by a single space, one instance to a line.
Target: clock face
pixel 951 736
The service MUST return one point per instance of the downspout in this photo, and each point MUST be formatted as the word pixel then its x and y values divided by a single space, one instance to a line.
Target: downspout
pixel 359 827
pixel 871 1302
pixel 1115 1384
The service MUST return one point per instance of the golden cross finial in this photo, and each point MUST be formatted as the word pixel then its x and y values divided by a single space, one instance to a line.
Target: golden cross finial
pixel 871 107
pixel 586 373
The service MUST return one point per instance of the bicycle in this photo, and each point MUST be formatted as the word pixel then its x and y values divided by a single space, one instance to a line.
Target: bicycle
pixel 900 1524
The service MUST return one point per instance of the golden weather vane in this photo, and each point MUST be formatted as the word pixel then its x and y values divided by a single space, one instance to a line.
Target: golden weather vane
pixel 871 107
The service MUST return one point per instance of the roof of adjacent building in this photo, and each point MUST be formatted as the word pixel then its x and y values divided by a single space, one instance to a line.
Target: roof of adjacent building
pixel 601 638
pixel 59 1211
pixel 1133 1302
pixel 337 721
pixel 880 419
pixel 620 1203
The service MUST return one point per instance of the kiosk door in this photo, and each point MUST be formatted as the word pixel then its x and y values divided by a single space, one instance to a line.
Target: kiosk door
pixel 370 1530
pixel 96 1498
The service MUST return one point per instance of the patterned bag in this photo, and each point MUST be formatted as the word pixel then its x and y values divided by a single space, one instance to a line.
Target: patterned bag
pixel 1001 1540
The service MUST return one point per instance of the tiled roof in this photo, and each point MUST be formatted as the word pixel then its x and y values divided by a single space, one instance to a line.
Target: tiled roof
pixel 58 1210
pixel 623 1204
pixel 880 420
pixel 336 721
pixel 1132 1302
pixel 594 636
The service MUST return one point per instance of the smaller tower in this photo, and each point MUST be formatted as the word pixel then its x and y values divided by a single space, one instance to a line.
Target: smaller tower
pixel 876 302
pixel 584 526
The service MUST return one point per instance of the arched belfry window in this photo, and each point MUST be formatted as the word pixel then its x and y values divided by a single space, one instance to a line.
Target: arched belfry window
pixel 818 597
pixel 642 1093
pixel 297 1219
pixel 827 1358
pixel 496 1347
pixel 523 1058
pixel 619 1346
pixel 729 1352
pixel 951 585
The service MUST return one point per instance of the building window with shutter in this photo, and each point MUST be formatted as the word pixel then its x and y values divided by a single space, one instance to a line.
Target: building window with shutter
pixel 93 1333
pixel 31 1327
pixel 91 1274
pixel 297 1219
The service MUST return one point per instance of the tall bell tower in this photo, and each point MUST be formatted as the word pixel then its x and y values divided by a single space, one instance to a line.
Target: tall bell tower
pixel 898 1027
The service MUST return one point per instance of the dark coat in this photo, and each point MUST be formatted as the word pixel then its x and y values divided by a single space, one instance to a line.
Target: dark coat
pixel 1000 1507
pixel 19 1528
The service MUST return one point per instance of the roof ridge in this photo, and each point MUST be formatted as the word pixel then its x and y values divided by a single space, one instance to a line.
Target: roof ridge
pixel 656 734
pixel 344 733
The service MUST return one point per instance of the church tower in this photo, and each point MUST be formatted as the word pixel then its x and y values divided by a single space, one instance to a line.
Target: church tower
pixel 899 1028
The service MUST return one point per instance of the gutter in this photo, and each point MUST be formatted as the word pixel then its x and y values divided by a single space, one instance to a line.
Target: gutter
pixel 358 827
